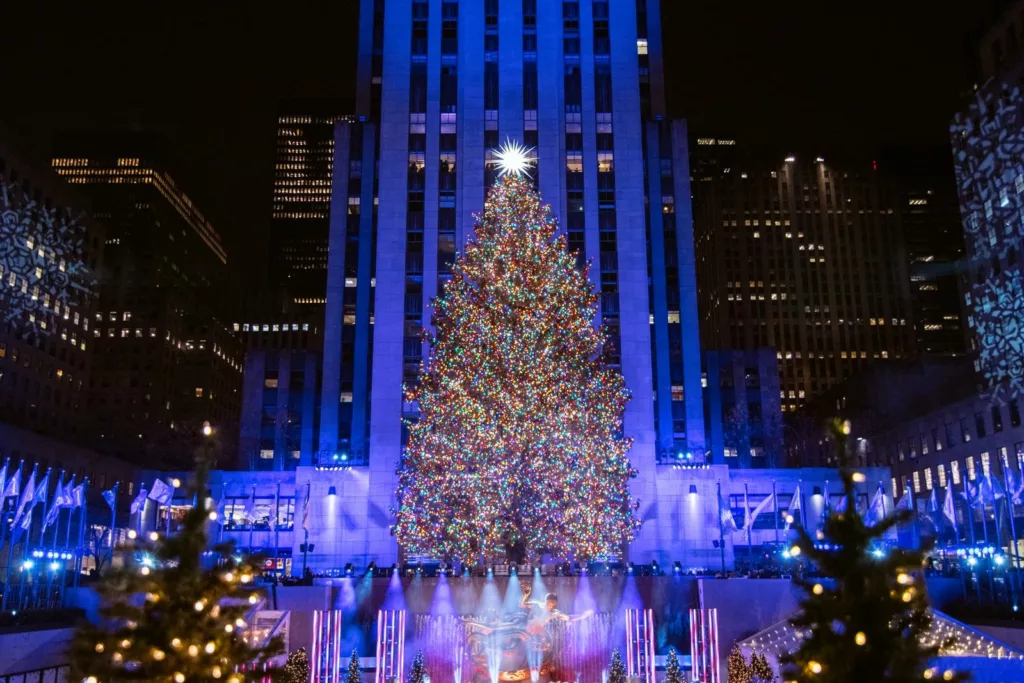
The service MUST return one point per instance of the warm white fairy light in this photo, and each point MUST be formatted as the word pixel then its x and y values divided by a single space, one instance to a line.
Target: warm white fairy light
pixel 514 158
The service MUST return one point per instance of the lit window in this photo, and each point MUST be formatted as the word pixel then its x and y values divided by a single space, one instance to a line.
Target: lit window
pixel 267 453
pixel 199 392
pixel 970 468
pixel 954 471
pixel 984 464
pixel 641 46
pixel 942 476
pixel 270 383
pixel 928 478
pixel 917 482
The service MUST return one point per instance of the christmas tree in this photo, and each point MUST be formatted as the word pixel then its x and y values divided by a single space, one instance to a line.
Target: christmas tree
pixel 418 672
pixel 673 674
pixel 519 441
pixel 296 669
pixel 617 671
pixel 354 675
pixel 869 624
pixel 167 618
pixel 736 667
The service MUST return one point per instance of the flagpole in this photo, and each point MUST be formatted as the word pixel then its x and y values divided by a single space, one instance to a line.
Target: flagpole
pixel 79 546
pixel 252 516
pixel 277 525
pixel 7 577
pixel 721 531
pixel 3 501
pixel 747 523
pixel 803 505
pixel 1013 524
pixel 113 520
pixel 170 504
pixel 775 508
pixel 46 497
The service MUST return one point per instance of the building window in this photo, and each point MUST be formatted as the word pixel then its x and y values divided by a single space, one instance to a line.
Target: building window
pixel 979 424
pixel 985 464
pixel 997 419
pixel 950 440
pixel 954 471
pixel 1014 413
pixel 924 445
pixel 270 383
pixel 965 431
pixel 936 441
pixel 928 478
pixel 267 454
pixel 199 392
pixel 917 482
pixel 942 475
pixel 971 473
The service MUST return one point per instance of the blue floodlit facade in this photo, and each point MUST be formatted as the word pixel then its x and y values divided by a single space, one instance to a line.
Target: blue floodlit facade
pixel 440 85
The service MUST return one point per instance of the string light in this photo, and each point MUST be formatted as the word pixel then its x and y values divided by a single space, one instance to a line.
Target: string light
pixel 818 589
pixel 175 643
pixel 200 604
pixel 814 667
pixel 179 677
pixel 154 536
pixel 99 647
pixel 516 382
pixel 210 647
pixel 860 638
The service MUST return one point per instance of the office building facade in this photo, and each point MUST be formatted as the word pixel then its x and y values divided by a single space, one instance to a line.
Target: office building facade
pixel 802 256
pixel 440 85
pixel 300 218
pixel 164 359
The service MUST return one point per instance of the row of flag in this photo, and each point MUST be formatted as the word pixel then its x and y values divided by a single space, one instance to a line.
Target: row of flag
pixel 874 514
pixel 66 495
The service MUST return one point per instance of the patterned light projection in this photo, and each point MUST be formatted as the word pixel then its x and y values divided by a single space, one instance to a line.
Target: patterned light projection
pixel 43 274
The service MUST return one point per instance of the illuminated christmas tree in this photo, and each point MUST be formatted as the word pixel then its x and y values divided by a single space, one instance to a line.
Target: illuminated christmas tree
pixel 176 615
pixel 296 669
pixel 872 622
pixel 418 672
pixel 760 669
pixel 737 670
pixel 519 439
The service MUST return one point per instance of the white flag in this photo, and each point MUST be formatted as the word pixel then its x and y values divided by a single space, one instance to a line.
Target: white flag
pixel 876 510
pixel 794 502
pixel 761 507
pixel 948 507
pixel 161 493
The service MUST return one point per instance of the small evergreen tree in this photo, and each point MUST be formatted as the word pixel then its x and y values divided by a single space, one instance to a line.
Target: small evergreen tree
pixel 736 667
pixel 296 669
pixel 869 625
pixel 354 675
pixel 617 671
pixel 673 674
pixel 418 672
pixel 171 619
pixel 760 670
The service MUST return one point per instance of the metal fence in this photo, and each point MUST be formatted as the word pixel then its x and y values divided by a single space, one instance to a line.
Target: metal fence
pixel 52 674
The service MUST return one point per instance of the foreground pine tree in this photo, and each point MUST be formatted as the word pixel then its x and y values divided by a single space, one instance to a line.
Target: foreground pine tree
pixel 736 667
pixel 760 669
pixel 296 669
pixel 869 625
pixel 518 442
pixel 166 618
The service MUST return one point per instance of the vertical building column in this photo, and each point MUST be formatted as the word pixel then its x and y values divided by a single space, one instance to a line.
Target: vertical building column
pixel 655 59
pixel 551 107
pixel 662 366
pixel 510 77
pixel 591 235
pixel 714 439
pixel 634 310
pixel 284 377
pixel 688 316
pixel 334 310
pixel 433 160
pixel 362 359
pixel 252 409
pixel 307 446
pixel 469 168
pixel 389 308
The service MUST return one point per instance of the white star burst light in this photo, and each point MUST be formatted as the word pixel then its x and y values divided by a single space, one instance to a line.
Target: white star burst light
pixel 514 158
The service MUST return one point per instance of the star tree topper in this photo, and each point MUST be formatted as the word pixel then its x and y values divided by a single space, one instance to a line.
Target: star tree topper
pixel 514 158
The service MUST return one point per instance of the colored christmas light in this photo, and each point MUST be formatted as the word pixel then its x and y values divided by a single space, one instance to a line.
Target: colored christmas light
pixel 519 438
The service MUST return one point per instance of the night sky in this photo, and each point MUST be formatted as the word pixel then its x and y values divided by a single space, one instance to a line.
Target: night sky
pixel 799 75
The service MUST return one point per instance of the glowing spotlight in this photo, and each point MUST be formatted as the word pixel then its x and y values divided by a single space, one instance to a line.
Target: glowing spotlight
pixel 878 553
pixel 176 483
pixel 207 429
pixel 514 158
pixel 999 559
pixel 972 561
pixel 28 564
pixel 332 492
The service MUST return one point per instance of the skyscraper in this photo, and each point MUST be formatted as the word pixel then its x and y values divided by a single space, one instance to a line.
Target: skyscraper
pixel 803 256
pixel 440 85
pixel 164 359
pixel 303 163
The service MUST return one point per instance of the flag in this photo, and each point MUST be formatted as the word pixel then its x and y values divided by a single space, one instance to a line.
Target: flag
pixel 933 502
pixel 876 510
pixel 761 507
pixel 948 508
pixel 43 489
pixel 13 485
pixel 3 478
pixel 794 502
pixel 841 505
pixel 78 495
pixel 904 502
pixel 991 491
pixel 1017 497
pixel 110 495
pixel 305 509
pixel 161 493
pixel 28 494
pixel 277 503
pixel 68 494
pixel 725 519
pixel 139 504
pixel 250 506
pixel 55 505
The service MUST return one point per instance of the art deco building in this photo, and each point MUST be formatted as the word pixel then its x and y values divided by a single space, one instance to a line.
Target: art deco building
pixel 802 256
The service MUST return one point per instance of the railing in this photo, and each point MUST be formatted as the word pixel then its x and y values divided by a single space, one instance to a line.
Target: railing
pixel 51 674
